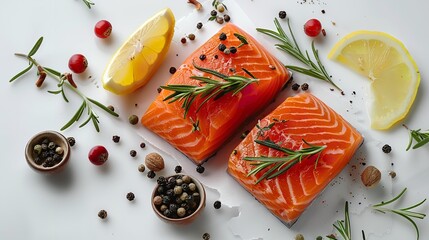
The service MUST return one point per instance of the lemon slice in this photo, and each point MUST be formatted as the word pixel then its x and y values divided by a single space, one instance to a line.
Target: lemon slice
pixel 385 61
pixel 140 55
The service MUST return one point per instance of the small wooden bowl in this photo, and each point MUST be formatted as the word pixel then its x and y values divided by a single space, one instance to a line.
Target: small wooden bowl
pixel 187 219
pixel 55 137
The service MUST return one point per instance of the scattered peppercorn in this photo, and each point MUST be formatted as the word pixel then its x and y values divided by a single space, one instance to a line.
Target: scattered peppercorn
pixel 323 11
pixel 151 174
pixel 386 148
pixel 183 40
pixel 202 57
pixel 191 37
pixel 299 236
pixel 159 90
pixel 200 169
pixel 130 196
pixel 116 138
pixel 219 20
pixel 102 214
pixel 295 86
pixel 217 204
pixel 282 14
pixel 133 119
pixel 213 13
pixel 178 169
pixel 199 25
pixel 227 18
pixel 133 153
pixel 111 108
pixel 220 8
pixel 206 236
pixel 392 174
pixel 221 47
pixel 324 32
pixel 71 141
pixel 172 70
pixel 233 50
pixel 47 153
pixel 216 56
pixel 222 36
pixel 142 168
pixel 227 51
pixel 304 87
pixel 142 145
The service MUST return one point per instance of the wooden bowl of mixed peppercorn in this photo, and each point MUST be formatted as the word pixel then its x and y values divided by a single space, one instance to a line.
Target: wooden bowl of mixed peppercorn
pixel 178 199
pixel 47 152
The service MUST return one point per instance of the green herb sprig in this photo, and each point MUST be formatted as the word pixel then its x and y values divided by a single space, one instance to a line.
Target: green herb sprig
pixel 421 138
pixel 279 165
pixel 88 3
pixel 63 80
pixel 344 227
pixel 290 46
pixel 406 212
pixel 210 88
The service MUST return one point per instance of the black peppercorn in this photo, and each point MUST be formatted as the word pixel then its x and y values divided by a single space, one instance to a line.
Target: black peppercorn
pixel 169 192
pixel 216 56
pixel 111 108
pixel 222 36
pixel 295 86
pixel 172 70
pixel 142 145
pixel 304 87
pixel 202 57
pixel 227 18
pixel 166 200
pixel 217 204
pixel 199 25
pixel 178 169
pixel 102 214
pixel 151 174
pixel 116 138
pixel 200 169
pixel 206 236
pixel 130 196
pixel 232 50
pixel 282 14
pixel 159 90
pixel 183 40
pixel 213 13
pixel 133 153
pixel 221 47
pixel 160 189
pixel 386 148
pixel 173 207
pixel 161 180
pixel 167 213
pixel 185 187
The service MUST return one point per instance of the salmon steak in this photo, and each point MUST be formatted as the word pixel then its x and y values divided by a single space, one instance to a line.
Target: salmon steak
pixel 300 124
pixel 199 129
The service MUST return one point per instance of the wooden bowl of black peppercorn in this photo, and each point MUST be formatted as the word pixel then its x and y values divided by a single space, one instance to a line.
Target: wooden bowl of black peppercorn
pixel 178 199
pixel 47 152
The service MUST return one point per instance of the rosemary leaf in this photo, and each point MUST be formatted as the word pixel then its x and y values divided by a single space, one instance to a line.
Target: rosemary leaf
pixel 35 47
pixel 21 73
pixel 289 45
pixel 421 138
pixel 88 3
pixel 98 104
pixel 52 71
pixel 55 92
pixel 75 117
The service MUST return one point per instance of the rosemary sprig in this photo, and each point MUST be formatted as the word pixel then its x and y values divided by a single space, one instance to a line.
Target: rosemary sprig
pixel 63 80
pixel 403 212
pixel 88 3
pixel 421 138
pixel 290 46
pixel 209 89
pixel 279 165
pixel 343 226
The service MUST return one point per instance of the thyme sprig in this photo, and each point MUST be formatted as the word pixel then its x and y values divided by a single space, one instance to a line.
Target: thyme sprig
pixel 289 45
pixel 420 137
pixel 279 165
pixel 88 3
pixel 209 88
pixel 63 80
pixel 406 212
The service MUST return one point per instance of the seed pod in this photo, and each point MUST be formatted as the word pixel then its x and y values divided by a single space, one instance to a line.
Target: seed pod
pixel 370 176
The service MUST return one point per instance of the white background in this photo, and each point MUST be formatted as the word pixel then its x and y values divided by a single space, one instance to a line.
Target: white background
pixel 65 206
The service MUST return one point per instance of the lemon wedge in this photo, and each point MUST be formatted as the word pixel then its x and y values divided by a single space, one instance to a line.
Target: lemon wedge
pixel 140 55
pixel 393 73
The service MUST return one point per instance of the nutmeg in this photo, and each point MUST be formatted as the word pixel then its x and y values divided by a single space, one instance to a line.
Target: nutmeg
pixel 370 176
pixel 154 162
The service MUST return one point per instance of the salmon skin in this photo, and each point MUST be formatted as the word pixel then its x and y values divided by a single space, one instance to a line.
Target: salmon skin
pixel 300 118
pixel 203 130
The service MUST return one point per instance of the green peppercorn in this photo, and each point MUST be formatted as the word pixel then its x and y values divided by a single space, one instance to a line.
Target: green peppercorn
pixel 179 182
pixel 51 145
pixel 184 196
pixel 37 149
pixel 142 168
pixel 319 238
pixel 220 8
pixel 44 146
pixel 227 51
pixel 59 150
pixel 178 190
pixel 133 119
pixel 191 37
pixel 299 236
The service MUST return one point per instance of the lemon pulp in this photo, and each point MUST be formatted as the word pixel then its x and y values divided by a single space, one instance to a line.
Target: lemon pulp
pixel 393 73
pixel 140 55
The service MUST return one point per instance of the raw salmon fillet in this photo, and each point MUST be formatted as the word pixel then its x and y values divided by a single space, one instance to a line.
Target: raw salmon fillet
pixel 298 118
pixel 202 132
